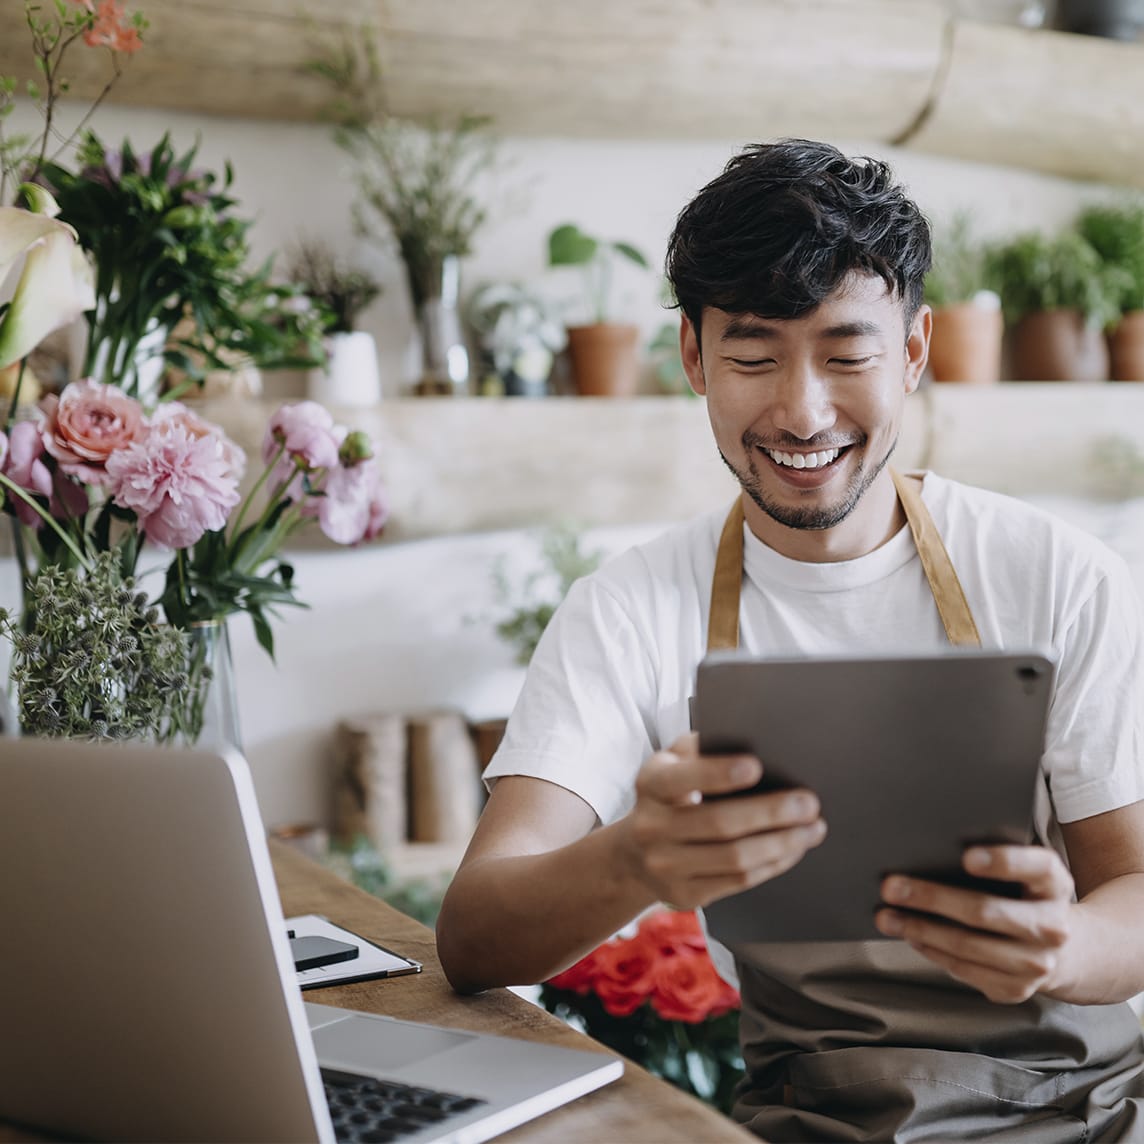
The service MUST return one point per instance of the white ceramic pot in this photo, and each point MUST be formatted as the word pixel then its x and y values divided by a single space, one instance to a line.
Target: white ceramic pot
pixel 351 376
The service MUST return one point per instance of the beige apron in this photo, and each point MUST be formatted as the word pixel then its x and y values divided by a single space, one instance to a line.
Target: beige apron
pixel 857 1041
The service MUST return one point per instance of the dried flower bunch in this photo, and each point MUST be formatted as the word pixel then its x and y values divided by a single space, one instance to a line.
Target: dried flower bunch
pixel 655 997
pixel 415 180
pixel 342 291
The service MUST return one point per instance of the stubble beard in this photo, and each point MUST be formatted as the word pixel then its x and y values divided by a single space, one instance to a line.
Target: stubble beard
pixel 815 518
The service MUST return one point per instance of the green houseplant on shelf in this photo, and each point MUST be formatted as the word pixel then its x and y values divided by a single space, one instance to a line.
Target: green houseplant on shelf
pixel 1116 233
pixel 1058 295
pixel 604 352
pixel 968 326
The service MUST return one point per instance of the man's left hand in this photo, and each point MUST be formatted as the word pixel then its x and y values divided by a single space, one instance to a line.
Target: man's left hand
pixel 1008 948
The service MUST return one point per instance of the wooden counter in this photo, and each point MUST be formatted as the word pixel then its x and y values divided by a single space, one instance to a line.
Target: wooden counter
pixel 638 1107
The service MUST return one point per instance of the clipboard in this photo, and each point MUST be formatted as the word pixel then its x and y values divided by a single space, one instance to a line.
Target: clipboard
pixel 372 962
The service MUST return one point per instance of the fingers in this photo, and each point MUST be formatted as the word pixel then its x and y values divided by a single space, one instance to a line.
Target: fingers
pixel 1038 868
pixel 1006 970
pixel 680 776
pixel 728 819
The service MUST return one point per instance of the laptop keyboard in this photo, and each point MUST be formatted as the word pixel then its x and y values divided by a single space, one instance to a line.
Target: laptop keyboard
pixel 372 1111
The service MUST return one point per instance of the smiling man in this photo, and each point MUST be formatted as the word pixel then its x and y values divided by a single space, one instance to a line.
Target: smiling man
pixel 799 274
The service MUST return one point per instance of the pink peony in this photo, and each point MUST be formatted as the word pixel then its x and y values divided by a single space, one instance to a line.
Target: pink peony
pixel 178 484
pixel 87 423
pixel 353 507
pixel 24 466
pixel 172 413
pixel 311 442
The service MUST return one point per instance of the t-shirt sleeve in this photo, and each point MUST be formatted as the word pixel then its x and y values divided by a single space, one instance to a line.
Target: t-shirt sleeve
pixel 1094 759
pixel 582 720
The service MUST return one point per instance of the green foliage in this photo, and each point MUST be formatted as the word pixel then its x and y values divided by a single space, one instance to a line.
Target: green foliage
pixel 1035 272
pixel 170 255
pixel 415 180
pixel 91 660
pixel 960 266
pixel 533 602
pixel 361 864
pixel 568 245
pixel 343 291
pixel 1116 233
pixel 704 1060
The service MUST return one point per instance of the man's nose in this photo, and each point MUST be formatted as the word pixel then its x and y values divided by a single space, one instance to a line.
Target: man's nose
pixel 802 403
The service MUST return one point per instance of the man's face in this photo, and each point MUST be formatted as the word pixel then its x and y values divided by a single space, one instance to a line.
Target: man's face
pixel 806 411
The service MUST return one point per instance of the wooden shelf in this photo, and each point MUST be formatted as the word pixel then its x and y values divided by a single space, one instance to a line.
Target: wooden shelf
pixel 884 71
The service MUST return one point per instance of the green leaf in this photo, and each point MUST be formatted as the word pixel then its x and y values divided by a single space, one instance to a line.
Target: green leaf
pixel 262 631
pixel 568 245
pixel 630 252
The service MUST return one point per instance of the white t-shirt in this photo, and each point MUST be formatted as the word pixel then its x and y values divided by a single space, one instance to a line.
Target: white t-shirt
pixel 610 681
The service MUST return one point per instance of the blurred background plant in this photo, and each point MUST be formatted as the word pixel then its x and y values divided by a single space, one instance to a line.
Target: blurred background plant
pixel 568 245
pixel 529 603
pixel 341 291
pixel 362 864
pixel 961 268
pixel 1116 233
pixel 519 337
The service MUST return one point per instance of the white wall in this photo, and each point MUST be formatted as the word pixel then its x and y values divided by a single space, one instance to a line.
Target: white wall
pixel 294 181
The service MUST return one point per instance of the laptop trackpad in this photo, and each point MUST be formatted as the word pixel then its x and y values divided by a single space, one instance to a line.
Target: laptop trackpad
pixel 365 1043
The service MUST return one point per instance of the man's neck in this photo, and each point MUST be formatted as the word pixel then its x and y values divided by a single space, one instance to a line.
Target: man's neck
pixel 876 518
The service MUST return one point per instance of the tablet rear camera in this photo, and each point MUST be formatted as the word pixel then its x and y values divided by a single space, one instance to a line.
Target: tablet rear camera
pixel 1028 672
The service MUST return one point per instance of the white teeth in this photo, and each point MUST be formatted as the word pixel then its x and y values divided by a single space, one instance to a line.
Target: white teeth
pixel 803 460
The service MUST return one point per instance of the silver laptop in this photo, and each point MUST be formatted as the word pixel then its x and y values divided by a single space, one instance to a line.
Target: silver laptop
pixel 149 991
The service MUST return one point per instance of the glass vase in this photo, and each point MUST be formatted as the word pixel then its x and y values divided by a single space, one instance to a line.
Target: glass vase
pixel 211 710
pixel 435 286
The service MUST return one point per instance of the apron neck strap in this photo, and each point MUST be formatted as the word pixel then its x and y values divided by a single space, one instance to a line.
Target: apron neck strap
pixel 952 606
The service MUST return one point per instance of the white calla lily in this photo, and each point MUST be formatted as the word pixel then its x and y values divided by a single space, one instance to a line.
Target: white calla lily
pixel 56 284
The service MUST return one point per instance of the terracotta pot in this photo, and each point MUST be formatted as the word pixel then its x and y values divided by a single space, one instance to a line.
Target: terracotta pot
pixel 1126 347
pixel 1058 345
pixel 966 344
pixel 604 359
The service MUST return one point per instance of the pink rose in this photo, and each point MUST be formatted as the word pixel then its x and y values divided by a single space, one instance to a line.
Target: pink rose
pixel 352 506
pixel 179 485
pixel 86 424
pixel 172 413
pixel 306 431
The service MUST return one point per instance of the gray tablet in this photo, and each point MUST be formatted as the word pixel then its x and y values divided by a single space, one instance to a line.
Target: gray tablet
pixel 913 759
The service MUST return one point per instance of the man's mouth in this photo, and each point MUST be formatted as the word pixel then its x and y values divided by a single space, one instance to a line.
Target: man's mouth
pixel 818 460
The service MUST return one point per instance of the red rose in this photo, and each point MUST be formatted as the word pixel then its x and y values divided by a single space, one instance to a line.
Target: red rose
pixel 577 978
pixel 687 988
pixel 625 975
pixel 673 931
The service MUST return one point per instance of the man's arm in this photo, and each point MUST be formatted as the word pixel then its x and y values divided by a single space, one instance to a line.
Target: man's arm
pixel 539 887
pixel 1087 952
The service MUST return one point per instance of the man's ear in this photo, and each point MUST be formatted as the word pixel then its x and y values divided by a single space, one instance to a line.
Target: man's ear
pixel 917 347
pixel 690 356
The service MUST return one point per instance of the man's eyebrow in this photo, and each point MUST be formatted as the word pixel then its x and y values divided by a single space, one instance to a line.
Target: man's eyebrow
pixel 859 328
pixel 749 327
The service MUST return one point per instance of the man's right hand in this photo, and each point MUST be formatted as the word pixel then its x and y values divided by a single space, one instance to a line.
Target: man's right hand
pixel 689 850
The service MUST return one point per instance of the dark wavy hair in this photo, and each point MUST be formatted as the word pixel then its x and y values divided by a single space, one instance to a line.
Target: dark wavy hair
pixel 777 232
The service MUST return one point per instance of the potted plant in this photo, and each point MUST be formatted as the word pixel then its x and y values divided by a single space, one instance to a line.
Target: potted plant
pixel 350 376
pixel 1058 296
pixel 605 362
pixel 968 327
pixel 518 338
pixel 1117 235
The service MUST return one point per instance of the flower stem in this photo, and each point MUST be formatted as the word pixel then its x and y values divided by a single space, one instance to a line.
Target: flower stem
pixel 20 494
pixel 270 466
pixel 14 403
